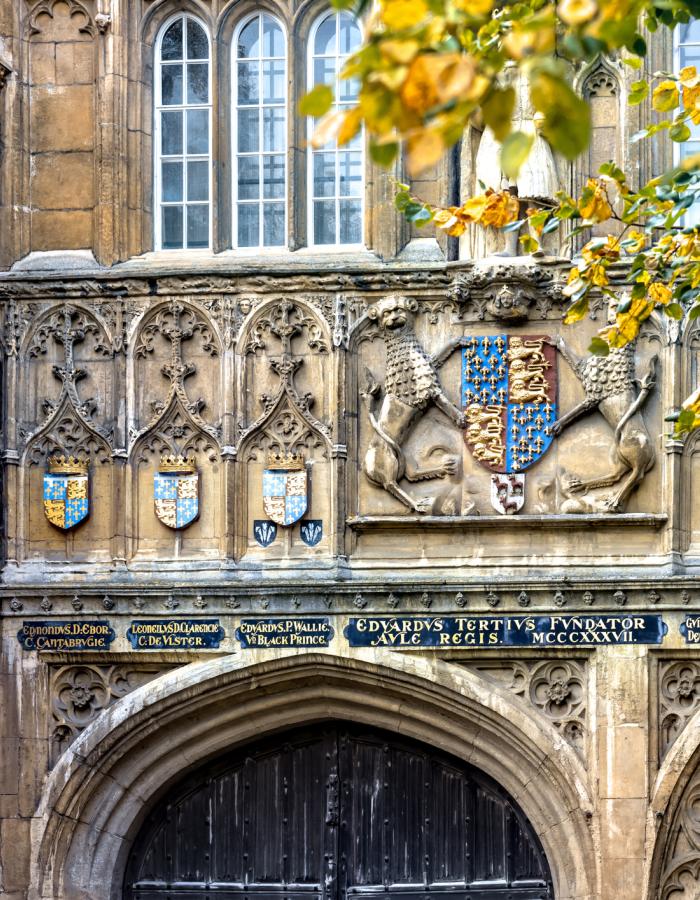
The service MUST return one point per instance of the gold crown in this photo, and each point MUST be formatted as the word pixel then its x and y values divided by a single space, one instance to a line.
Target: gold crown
pixel 67 465
pixel 284 461
pixel 180 464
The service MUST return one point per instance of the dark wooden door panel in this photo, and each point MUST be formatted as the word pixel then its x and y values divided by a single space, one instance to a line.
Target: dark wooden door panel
pixel 337 814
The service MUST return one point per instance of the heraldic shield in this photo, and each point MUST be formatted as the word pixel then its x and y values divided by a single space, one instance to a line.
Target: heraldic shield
pixel 176 491
pixel 66 491
pixel 285 488
pixel 509 395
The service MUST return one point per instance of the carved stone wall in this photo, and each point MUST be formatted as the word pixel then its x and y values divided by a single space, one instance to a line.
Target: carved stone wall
pixel 681 867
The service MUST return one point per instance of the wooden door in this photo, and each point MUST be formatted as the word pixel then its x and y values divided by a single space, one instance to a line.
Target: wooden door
pixel 337 813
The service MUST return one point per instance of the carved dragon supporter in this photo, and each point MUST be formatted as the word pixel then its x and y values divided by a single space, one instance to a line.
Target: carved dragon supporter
pixel 411 385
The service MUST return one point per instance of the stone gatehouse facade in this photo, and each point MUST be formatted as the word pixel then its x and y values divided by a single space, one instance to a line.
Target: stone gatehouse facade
pixel 301 502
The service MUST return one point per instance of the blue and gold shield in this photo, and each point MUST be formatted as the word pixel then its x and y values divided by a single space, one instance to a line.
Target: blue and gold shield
pixel 176 492
pixel 285 489
pixel 66 492
pixel 509 395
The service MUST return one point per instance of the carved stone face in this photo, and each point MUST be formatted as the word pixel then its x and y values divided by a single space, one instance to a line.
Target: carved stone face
pixel 393 313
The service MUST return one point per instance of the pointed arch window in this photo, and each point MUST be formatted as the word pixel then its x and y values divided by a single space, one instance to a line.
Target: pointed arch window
pixel 183 136
pixel 335 177
pixel 687 41
pixel 260 133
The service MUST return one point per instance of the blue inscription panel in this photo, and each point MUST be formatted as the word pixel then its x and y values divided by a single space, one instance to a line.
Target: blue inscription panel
pixel 65 636
pixel 290 633
pixel 690 629
pixel 505 631
pixel 175 634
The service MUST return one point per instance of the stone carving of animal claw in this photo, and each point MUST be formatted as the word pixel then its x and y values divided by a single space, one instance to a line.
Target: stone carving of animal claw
pixel 424 505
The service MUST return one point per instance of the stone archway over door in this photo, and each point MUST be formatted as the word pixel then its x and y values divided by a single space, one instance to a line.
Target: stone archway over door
pixel 337 812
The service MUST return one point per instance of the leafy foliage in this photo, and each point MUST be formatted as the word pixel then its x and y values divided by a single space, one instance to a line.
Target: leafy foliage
pixel 429 68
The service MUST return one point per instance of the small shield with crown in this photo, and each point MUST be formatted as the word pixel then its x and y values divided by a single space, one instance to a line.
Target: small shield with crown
pixel 285 488
pixel 176 491
pixel 66 491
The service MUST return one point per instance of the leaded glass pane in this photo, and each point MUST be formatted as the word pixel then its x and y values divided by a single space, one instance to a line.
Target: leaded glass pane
pixel 172 182
pixel 273 224
pixel 197 131
pixel 273 38
pixel 171 133
pixel 198 83
pixel 324 222
pixel 172 227
pixel 249 40
pixel 171 85
pixel 273 177
pixel 248 225
pixel 198 180
pixel 248 83
pixel 248 178
pixel 350 221
pixel 198 226
pixel 197 44
pixel 325 37
pixel 274 129
pixel 171 46
pixel 273 81
pixel 249 130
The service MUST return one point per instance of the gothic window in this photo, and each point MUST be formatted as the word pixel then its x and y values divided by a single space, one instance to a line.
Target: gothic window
pixel 183 136
pixel 335 173
pixel 687 38
pixel 260 133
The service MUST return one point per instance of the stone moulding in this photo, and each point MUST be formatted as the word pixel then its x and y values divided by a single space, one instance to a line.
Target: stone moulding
pixel 571 520
pixel 104 783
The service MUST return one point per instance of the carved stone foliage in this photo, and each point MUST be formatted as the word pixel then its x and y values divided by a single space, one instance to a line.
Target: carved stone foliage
pixel 77 14
pixel 555 688
pixel 176 424
pixel 79 693
pixel 680 871
pixel 679 699
pixel 66 337
pixel 285 338
pixel 509 294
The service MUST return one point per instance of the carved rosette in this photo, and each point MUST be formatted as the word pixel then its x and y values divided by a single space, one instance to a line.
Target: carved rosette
pixel 79 693
pixel 679 699
pixel 555 688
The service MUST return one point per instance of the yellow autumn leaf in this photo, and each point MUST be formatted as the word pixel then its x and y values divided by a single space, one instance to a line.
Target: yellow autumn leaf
pixel 424 149
pixel 350 125
pixel 419 92
pixel 688 76
pixel 455 76
pixel 399 14
pixel 597 275
pixel 473 207
pixel 478 9
pixel 401 52
pixel 596 207
pixel 448 221
pixel 520 42
pixel 665 96
pixel 691 102
pixel 501 209
pixel 577 12
pixel 660 294
pixel 639 239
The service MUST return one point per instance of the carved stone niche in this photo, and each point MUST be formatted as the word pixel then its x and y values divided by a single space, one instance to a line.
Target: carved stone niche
pixel 79 693
pixel 286 409
pixel 507 293
pixel 679 699
pixel 555 688
pixel 179 410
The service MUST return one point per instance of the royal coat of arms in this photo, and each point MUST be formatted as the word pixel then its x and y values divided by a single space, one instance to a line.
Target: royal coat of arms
pixel 509 395
pixel 285 488
pixel 66 491
pixel 176 491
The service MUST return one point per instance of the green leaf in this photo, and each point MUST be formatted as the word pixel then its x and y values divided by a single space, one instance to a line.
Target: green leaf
pixel 567 121
pixel 679 133
pixel 637 92
pixel 317 102
pixel 694 312
pixel 599 347
pixel 674 310
pixel 383 154
pixel 685 421
pixel 497 109
pixel 634 62
pixel 514 151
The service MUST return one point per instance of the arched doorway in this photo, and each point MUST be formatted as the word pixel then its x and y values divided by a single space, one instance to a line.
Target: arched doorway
pixel 337 812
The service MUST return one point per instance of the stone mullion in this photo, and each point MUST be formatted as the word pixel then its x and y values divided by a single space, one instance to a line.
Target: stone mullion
pixel 672 481
pixel 338 511
pixel 111 139
pixel 230 405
